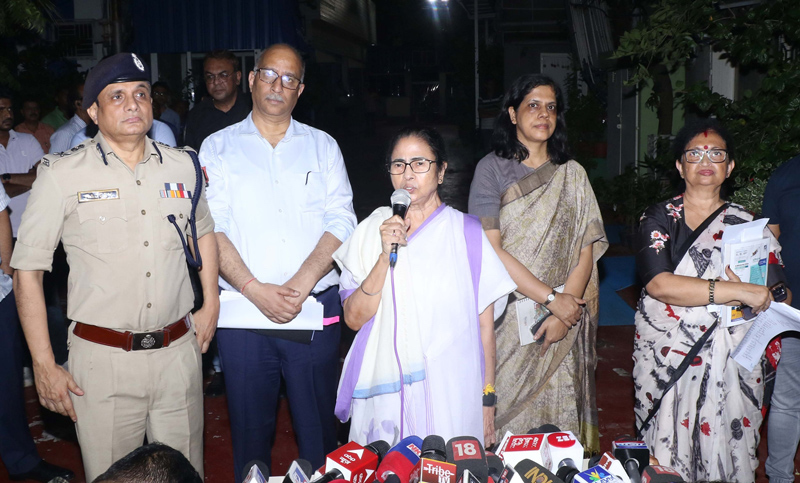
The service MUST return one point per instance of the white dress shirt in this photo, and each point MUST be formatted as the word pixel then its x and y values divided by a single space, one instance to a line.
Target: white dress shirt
pixel 5 280
pixel 60 140
pixel 21 154
pixel 274 204
pixel 159 131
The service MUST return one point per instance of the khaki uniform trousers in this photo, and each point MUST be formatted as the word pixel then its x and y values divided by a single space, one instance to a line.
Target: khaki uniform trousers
pixel 129 394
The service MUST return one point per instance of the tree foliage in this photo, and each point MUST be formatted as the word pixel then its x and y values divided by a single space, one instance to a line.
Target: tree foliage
pixel 17 16
pixel 760 40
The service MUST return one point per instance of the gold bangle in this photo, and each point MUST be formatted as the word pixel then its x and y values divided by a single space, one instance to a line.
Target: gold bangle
pixel 711 285
pixel 367 293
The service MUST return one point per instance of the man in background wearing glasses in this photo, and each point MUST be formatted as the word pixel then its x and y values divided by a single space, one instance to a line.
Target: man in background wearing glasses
pixel 224 106
pixel 281 199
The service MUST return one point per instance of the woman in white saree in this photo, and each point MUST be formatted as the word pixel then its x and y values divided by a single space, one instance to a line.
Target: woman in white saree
pixel 425 349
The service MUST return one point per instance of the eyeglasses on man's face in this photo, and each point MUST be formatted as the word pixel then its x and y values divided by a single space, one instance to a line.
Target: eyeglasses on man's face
pixel 418 165
pixel 223 77
pixel 269 76
pixel 715 155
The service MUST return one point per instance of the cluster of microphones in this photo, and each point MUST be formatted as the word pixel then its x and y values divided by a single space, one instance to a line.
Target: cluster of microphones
pixel 544 455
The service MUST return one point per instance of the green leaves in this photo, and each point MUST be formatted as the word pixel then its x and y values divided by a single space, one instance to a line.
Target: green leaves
pixel 765 120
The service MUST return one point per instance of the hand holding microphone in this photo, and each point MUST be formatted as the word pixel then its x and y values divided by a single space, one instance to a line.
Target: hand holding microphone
pixel 401 199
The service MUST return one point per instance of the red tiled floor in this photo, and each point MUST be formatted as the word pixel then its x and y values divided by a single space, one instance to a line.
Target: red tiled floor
pixel 614 398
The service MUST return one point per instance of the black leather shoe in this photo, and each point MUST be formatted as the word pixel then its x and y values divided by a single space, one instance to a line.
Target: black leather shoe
pixel 216 387
pixel 44 472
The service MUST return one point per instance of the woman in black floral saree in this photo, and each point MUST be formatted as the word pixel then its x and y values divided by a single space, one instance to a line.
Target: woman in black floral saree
pixel 705 422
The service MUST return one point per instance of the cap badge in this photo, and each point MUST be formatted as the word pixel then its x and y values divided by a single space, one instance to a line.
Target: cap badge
pixel 138 62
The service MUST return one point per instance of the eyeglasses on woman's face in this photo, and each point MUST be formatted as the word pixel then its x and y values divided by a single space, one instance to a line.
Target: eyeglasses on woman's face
pixel 715 155
pixel 418 165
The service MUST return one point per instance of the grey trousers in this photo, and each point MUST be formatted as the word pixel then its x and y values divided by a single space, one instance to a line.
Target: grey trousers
pixel 783 431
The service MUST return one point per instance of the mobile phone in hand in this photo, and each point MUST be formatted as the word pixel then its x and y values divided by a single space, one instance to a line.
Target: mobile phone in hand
pixel 536 326
pixel 779 294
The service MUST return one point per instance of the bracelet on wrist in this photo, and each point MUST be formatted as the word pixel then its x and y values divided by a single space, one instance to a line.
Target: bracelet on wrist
pixel 489 396
pixel 245 285
pixel 367 293
pixel 711 286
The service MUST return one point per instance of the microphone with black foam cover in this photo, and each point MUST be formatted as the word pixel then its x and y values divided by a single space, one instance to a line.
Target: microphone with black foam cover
pixel 532 472
pixel 256 471
pixel 400 460
pixel 300 471
pixel 467 453
pixel 634 456
pixel 495 465
pixel 379 447
pixel 401 199
pixel 661 474
pixel 567 469
pixel 433 466
pixel 434 448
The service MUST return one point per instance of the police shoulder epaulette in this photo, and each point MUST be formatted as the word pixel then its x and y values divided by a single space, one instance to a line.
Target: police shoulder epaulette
pixel 48 159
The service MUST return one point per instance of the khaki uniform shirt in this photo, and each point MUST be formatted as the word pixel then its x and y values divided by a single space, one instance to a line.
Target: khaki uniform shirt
pixel 127 264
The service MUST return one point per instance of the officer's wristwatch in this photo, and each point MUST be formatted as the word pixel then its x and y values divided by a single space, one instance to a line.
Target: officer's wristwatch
pixel 550 298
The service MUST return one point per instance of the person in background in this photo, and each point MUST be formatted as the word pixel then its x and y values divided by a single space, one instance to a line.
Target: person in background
pixel 703 422
pixel 160 132
pixel 281 199
pixel 542 218
pixel 122 207
pixel 224 106
pixel 162 107
pixel 31 125
pixel 434 310
pixel 17 449
pixel 19 155
pixel 59 115
pixel 781 199
pixel 61 140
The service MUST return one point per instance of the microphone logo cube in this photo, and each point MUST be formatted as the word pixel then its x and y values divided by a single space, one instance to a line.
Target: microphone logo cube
pixel 431 471
pixel 526 446
pixel 356 464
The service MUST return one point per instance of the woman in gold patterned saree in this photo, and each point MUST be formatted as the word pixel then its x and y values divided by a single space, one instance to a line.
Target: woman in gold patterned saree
pixel 541 216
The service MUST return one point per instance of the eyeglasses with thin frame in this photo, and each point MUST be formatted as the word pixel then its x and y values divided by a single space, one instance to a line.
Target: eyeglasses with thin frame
pixel 223 76
pixel 418 165
pixel 715 155
pixel 269 76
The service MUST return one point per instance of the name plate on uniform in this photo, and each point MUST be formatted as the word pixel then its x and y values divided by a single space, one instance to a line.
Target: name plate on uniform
pixel 236 312
pixel 98 195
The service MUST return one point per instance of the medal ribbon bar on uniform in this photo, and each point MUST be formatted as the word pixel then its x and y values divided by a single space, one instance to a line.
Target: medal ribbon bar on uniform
pixel 175 190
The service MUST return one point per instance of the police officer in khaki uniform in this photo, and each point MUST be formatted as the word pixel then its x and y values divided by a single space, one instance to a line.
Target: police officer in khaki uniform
pixel 121 204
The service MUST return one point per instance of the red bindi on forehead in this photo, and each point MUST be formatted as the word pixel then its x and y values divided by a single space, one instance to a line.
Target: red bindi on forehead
pixel 705 147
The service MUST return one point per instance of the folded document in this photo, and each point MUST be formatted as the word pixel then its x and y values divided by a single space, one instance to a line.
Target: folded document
pixel 236 312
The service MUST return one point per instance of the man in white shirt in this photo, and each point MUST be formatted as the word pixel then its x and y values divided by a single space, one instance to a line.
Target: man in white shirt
pixel 19 154
pixel 60 140
pixel 282 203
